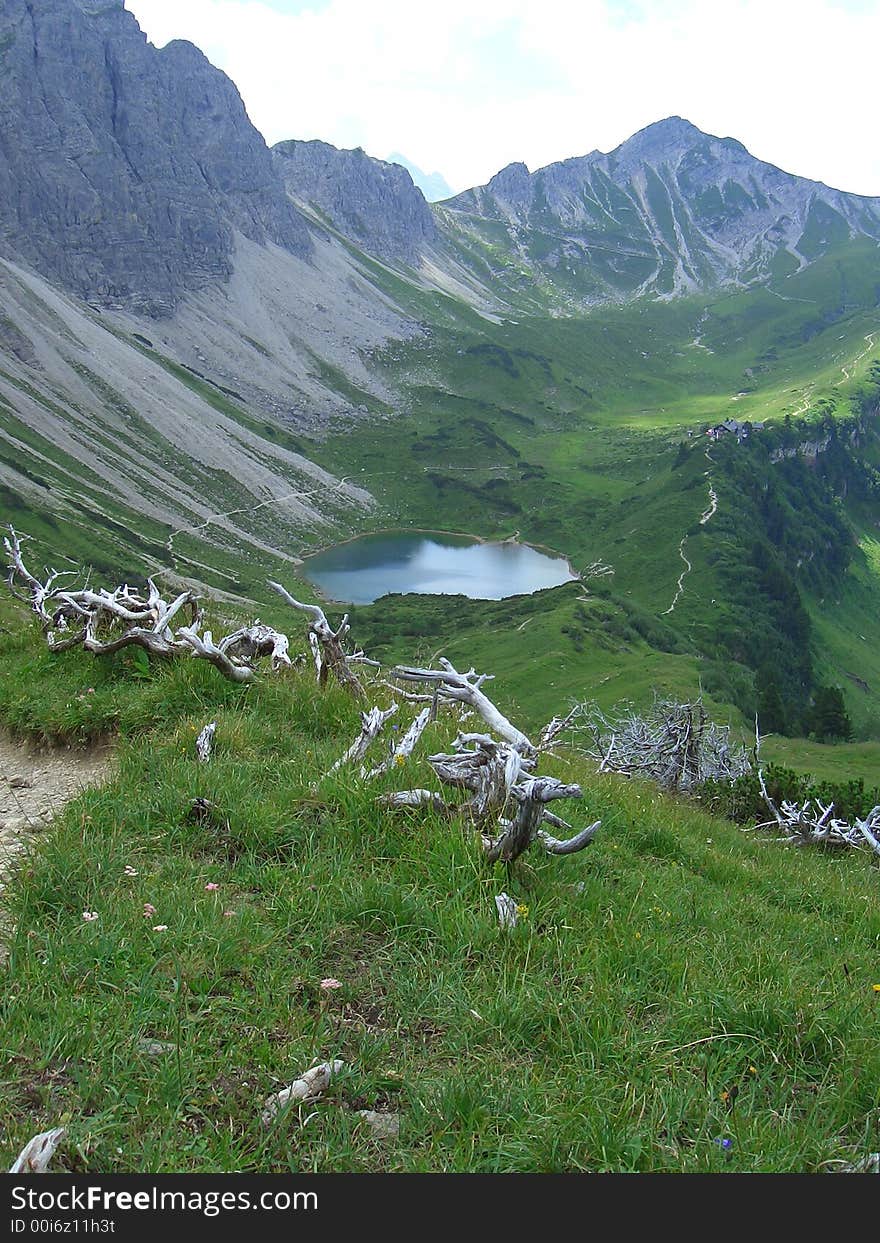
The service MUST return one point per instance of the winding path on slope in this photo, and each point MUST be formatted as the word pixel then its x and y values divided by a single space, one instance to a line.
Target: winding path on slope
pixel 247 509
pixel 850 367
pixel 679 590
pixel 706 516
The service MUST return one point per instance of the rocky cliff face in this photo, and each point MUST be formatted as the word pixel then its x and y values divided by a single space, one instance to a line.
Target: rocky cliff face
pixel 670 211
pixel 125 170
pixel 374 204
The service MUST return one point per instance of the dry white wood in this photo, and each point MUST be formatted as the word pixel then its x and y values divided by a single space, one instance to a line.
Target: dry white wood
pixel 251 642
pixel 405 747
pixel 568 846
pixel 415 798
pixel 37 592
pixel 333 657
pixel 523 829
pixel 317 655
pixel 308 1087
pixel 503 795
pixel 674 744
pixel 204 646
pixel 34 1158
pixel 205 742
pixel 105 621
pixel 360 658
pixel 557 726
pixel 372 724
pixel 870 829
pixel 135 636
pixel 506 908
pixel 467 688
pixel 813 823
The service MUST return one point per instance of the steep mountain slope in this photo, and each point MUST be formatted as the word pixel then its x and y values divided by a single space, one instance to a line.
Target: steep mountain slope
pixel 374 204
pixel 160 296
pixel 125 170
pixel 671 211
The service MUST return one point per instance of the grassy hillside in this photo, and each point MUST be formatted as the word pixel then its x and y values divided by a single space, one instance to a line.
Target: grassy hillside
pixel 681 996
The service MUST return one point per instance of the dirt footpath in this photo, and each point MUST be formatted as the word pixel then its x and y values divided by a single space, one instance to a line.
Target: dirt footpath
pixel 34 787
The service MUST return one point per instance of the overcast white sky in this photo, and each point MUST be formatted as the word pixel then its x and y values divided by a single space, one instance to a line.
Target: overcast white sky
pixel 465 86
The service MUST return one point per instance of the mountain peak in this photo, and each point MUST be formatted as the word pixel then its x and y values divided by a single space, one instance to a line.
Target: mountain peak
pixel 511 182
pixel 671 132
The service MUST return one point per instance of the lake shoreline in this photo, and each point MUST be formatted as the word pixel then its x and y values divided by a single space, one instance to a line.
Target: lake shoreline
pixel 556 555
pixel 515 568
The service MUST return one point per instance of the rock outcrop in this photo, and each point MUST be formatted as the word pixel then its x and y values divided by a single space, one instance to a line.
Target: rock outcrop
pixel 374 204
pixel 125 170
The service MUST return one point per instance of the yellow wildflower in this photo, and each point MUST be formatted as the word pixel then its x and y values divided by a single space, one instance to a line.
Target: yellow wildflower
pixel 522 910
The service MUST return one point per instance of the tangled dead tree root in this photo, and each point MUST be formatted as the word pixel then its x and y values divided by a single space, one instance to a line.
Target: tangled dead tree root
pixel 103 622
pixel 674 744
pixel 507 801
pixel 813 823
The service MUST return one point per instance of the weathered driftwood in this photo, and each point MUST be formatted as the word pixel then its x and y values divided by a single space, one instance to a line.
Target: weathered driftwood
pixel 405 747
pixel 34 1158
pixel 372 724
pixel 205 647
pixel 467 688
pixel 504 795
pixel 205 742
pixel 103 622
pixel 506 908
pixel 674 744
pixel 814 824
pixel 256 640
pixel 308 1087
pixel 520 832
pixel 415 798
pixel 326 644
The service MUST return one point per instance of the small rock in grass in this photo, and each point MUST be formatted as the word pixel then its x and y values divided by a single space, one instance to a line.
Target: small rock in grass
pixel 155 1048
pixel 384 1126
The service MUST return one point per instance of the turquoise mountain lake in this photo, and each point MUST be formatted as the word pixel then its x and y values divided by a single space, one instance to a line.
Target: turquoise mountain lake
pixel 431 563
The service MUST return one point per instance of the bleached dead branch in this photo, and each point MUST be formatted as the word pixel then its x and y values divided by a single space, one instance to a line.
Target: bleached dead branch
pixel 34 1158
pixel 258 640
pixel 504 795
pixel 103 622
pixel 812 823
pixel 405 746
pixel 415 798
pixel 372 723
pixel 674 744
pixel 205 742
pixel 326 644
pixel 308 1087
pixel 467 688
pixel 507 912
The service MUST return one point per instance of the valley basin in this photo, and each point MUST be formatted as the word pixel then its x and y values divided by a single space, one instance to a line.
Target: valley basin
pixel 432 563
